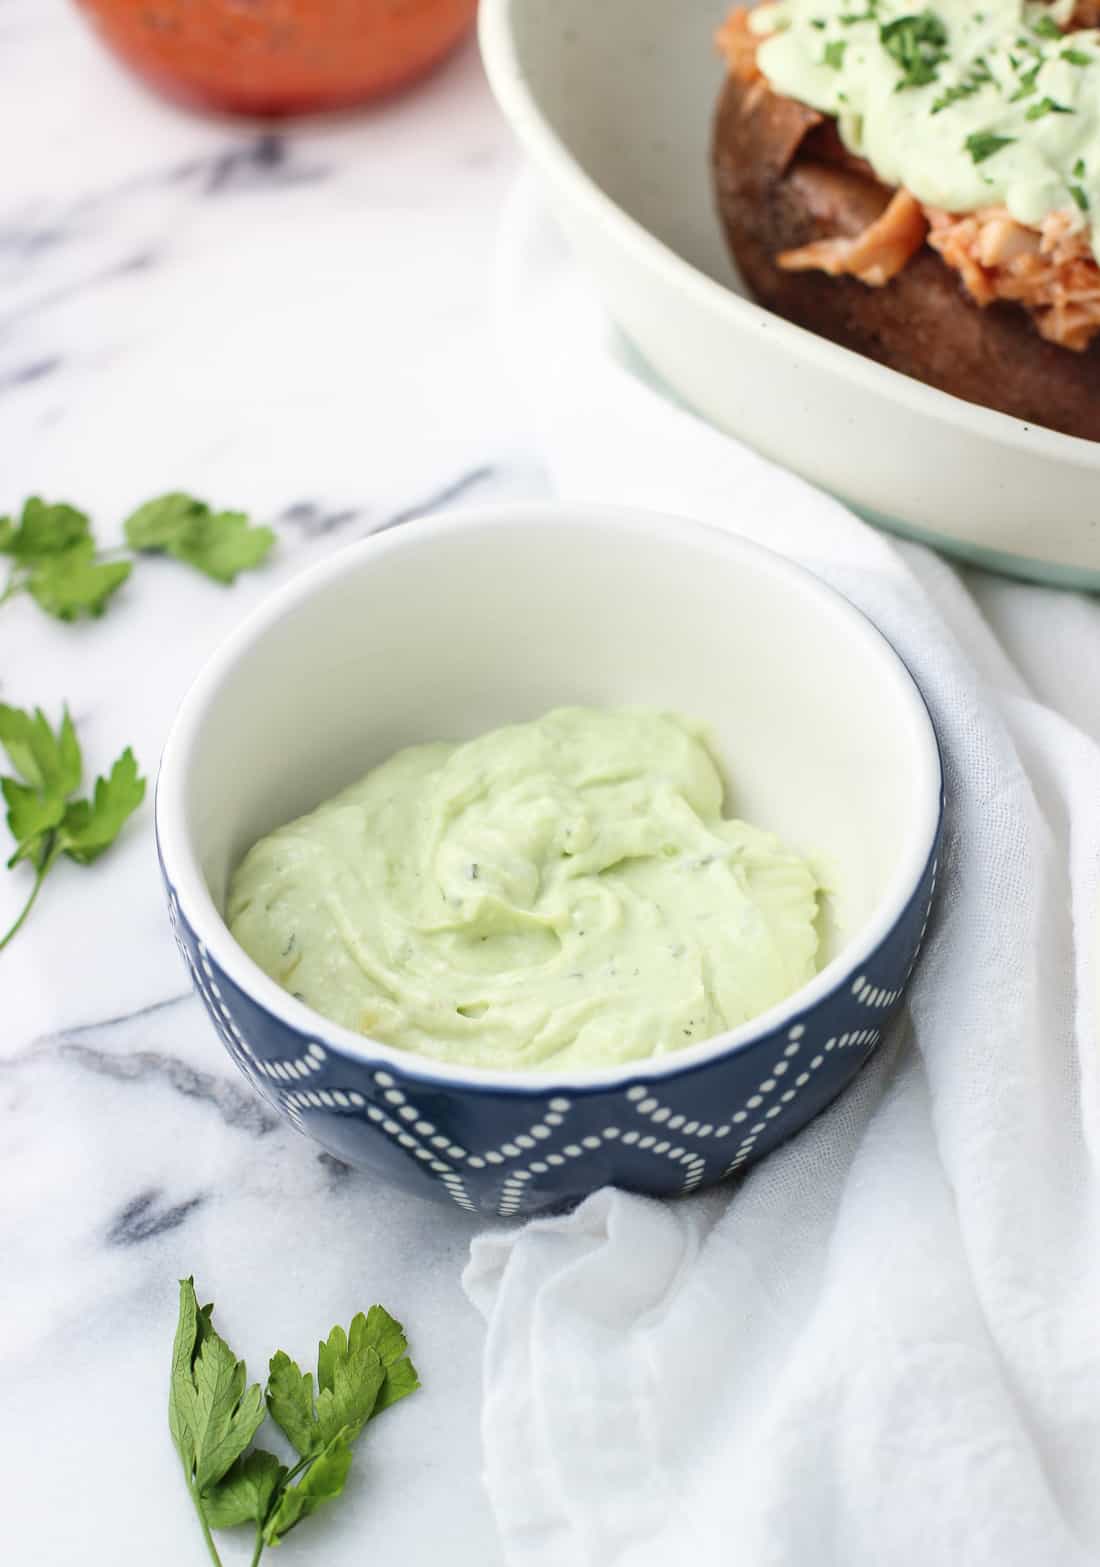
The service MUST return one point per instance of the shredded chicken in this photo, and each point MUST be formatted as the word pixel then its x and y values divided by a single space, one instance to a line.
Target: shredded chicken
pixel 1051 271
pixel 738 44
pixel 874 256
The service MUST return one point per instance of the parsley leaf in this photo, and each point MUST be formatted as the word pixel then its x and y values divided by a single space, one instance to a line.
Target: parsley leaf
pixel 1079 169
pixel 387 1336
pixel 221 544
pixel 919 46
pixel 212 1414
pixel 323 1481
pixel 44 530
pixel 31 816
pixel 1077 57
pixel 834 53
pixel 48 762
pixel 52 553
pixel 75 583
pixel 246 1491
pixel 42 819
pixel 160 522
pixel 213 1417
pixel 350 1389
pixel 359 1373
pixel 983 144
pixel 192 1327
pixel 1047 27
pixel 290 1404
pixel 1046 106
pixel 1079 197
pixel 224 544
pixel 91 826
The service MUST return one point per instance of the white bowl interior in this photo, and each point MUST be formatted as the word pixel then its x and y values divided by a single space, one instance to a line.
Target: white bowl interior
pixel 631 87
pixel 447 628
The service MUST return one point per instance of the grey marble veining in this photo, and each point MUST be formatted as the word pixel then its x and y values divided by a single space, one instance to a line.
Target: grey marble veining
pixel 298 322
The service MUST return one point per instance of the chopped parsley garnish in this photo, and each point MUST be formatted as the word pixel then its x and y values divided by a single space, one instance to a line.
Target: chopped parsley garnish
pixel 1046 27
pixel 1027 85
pixel 834 54
pixel 1079 169
pixel 952 95
pixel 919 46
pixel 1077 57
pixel 1079 197
pixel 1046 106
pixel 983 144
pixel 817 21
pixel 979 76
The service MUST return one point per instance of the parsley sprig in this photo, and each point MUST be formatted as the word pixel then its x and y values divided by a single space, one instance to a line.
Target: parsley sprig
pixel 214 1415
pixel 44 820
pixel 55 559
pixel 220 544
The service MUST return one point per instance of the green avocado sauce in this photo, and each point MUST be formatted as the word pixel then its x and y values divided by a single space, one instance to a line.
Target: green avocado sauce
pixel 565 891
pixel 966 103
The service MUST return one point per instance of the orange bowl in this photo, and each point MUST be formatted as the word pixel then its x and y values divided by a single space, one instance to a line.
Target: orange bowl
pixel 279 57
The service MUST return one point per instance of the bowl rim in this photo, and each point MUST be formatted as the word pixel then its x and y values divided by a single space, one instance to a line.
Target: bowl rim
pixel 183 875
pixel 536 132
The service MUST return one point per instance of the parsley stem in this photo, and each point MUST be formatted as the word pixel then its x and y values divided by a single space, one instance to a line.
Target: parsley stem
pixel 40 877
pixel 11 589
pixel 259 1551
pixel 292 1474
pixel 207 1536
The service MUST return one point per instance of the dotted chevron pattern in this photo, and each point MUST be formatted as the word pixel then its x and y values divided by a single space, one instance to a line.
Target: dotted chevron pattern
pixel 205 982
pixel 873 995
pixel 522 1170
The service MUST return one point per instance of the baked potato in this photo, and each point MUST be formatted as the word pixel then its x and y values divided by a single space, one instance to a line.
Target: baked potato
pixel 822 242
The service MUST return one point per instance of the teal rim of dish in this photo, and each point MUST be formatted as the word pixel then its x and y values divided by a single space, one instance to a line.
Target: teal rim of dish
pixel 1024 568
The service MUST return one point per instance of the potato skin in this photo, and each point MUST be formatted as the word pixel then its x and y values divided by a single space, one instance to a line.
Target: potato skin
pixel 778 186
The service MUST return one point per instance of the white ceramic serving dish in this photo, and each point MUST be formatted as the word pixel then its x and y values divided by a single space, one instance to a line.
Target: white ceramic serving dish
pixel 613 103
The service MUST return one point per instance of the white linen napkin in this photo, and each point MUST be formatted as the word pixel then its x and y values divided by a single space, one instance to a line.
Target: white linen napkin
pixel 883 1347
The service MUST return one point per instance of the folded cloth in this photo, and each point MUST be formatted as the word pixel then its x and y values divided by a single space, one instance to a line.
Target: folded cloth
pixel 882 1347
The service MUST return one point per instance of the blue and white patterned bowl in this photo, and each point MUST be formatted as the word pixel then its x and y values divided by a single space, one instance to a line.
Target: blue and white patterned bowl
pixel 448 627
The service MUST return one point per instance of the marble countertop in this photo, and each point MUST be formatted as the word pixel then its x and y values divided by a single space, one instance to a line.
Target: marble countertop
pixel 297 323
